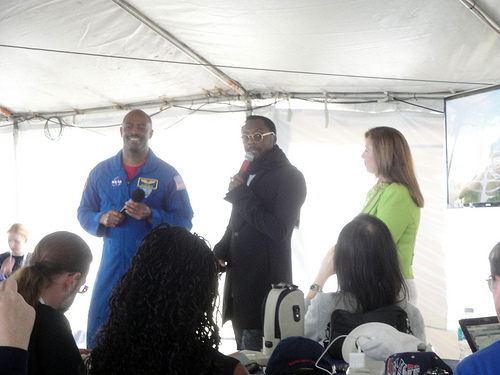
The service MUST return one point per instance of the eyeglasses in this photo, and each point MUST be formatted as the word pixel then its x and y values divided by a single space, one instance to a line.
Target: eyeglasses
pixel 491 283
pixel 256 137
pixel 83 289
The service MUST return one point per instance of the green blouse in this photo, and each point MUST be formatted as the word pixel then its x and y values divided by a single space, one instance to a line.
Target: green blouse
pixel 392 203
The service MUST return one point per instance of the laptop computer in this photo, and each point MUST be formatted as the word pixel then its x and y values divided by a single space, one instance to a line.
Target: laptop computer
pixel 480 332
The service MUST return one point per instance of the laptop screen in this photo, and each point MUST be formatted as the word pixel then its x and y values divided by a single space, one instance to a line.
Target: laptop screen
pixel 480 332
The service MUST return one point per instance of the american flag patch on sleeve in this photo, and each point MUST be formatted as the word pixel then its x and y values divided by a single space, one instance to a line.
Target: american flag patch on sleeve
pixel 179 182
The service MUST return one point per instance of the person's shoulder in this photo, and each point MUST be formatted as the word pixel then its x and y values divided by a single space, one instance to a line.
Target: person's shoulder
pixel 43 310
pixel 330 299
pixel 4 256
pixel 490 351
pixel 156 162
pixel 50 324
pixel 396 187
pixel 397 190
pixel 411 310
pixel 288 172
pixel 45 314
pixel 484 361
pixel 107 163
pixel 296 171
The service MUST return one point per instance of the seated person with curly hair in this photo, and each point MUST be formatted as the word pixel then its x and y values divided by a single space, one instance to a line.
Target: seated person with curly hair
pixel 162 312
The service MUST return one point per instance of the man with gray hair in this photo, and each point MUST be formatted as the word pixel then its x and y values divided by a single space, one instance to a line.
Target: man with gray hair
pixel 487 360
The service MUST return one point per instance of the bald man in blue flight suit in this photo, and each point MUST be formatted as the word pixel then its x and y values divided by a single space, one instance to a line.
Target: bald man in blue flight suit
pixel 108 190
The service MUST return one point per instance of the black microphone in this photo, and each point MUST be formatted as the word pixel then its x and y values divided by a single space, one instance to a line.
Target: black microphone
pixel 136 196
pixel 244 166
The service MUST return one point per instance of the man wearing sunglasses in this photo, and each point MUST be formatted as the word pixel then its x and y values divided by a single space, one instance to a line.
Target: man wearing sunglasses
pixel 256 247
pixel 487 360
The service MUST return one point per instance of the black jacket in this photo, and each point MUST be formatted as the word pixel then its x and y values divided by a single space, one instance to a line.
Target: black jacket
pixel 52 348
pixel 257 241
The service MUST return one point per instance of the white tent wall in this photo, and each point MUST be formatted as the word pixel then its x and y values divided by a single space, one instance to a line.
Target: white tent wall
pixel 452 245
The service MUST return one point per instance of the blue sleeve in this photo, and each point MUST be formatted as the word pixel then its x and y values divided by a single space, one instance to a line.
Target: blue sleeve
pixel 89 210
pixel 176 208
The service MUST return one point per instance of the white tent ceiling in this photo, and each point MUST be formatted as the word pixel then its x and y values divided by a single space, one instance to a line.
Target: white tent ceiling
pixel 72 55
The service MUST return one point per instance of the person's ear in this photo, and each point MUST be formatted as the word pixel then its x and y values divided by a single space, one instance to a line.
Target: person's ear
pixel 72 281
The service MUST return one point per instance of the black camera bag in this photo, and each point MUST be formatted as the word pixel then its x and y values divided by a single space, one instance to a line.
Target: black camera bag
pixel 342 322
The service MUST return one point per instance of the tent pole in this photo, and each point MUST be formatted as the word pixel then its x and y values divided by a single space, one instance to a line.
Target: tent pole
pixel 482 15
pixel 15 134
pixel 181 46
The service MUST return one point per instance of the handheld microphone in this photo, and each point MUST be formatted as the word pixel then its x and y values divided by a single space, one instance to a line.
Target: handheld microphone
pixel 136 196
pixel 244 166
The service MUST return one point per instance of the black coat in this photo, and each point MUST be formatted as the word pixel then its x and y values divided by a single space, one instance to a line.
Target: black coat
pixel 52 348
pixel 257 241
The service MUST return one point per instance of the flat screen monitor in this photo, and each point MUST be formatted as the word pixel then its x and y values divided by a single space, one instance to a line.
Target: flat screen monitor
pixel 473 148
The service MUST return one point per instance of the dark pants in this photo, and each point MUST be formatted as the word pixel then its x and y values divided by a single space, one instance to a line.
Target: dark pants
pixel 248 339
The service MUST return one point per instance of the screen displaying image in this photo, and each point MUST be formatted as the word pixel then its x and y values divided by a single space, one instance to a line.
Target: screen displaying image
pixel 473 148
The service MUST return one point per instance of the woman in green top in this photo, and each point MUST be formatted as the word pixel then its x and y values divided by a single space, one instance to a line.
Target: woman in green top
pixel 396 198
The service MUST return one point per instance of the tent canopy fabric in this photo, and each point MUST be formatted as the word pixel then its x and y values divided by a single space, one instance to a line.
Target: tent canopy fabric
pixel 72 56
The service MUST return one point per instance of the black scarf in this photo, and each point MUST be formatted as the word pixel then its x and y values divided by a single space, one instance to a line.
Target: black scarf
pixel 273 159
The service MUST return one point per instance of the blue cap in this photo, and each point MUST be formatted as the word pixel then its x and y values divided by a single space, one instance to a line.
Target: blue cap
pixel 296 353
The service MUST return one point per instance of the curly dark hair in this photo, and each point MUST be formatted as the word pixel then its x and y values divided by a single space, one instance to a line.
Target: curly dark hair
pixel 162 310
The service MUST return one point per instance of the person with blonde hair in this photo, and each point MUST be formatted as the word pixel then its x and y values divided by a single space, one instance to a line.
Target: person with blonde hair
pixel 12 260
pixel 55 274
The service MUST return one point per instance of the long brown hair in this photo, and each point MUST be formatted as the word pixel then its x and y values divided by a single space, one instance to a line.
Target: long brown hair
pixel 394 160
pixel 55 254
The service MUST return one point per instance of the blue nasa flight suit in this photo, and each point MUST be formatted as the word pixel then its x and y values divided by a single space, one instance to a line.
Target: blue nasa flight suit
pixel 108 187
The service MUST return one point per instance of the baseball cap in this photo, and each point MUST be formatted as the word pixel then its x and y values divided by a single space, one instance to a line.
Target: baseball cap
pixel 415 363
pixel 295 355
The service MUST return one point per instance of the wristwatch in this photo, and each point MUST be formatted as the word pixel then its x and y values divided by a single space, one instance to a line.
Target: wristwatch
pixel 316 287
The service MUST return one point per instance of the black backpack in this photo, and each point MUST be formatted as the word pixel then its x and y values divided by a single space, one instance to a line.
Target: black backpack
pixel 342 322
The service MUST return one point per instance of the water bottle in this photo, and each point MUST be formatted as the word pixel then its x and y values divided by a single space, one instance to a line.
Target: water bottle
pixel 463 345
